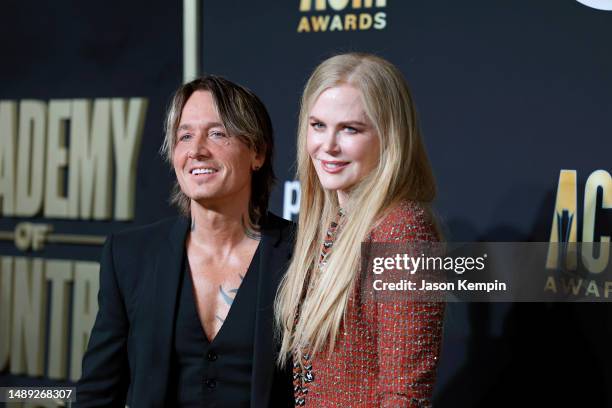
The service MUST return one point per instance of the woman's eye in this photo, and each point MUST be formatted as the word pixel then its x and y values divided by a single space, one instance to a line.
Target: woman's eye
pixel 350 130
pixel 317 125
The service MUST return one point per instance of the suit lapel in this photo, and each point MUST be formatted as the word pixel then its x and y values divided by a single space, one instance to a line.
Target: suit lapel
pixel 165 282
pixel 274 258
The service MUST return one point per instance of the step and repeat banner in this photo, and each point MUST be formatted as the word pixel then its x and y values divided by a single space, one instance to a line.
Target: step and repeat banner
pixel 515 107
pixel 84 91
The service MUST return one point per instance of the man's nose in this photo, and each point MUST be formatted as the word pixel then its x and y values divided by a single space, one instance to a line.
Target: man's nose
pixel 200 148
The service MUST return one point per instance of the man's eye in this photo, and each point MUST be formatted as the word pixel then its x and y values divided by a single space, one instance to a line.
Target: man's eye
pixel 216 135
pixel 185 136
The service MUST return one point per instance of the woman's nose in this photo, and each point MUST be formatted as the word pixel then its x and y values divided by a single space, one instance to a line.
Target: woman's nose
pixel 330 143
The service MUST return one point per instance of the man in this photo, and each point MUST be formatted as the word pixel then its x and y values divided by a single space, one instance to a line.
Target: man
pixel 186 304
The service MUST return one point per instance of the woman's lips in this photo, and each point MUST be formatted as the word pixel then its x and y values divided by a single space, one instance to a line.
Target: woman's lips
pixel 333 166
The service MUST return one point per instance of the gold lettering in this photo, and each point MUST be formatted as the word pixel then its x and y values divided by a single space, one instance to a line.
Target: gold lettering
pixel 56 203
pixel 319 23
pixel 592 289
pixel 6 306
pixel 550 285
pixel 379 3
pixel 380 20
pixel 90 159
pixel 84 309
pixel 59 273
pixel 304 26
pixel 29 315
pixel 571 285
pixel 565 203
pixel 336 24
pixel 338 5
pixel 306 5
pixel 597 179
pixel 365 21
pixel 350 22
pixel 127 135
pixel 31 157
pixel 8 120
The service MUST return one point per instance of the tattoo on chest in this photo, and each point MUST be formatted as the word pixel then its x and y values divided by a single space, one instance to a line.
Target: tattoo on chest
pixel 228 296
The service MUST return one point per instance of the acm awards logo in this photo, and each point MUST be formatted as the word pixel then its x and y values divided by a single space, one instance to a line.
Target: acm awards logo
pixel 342 15
pixel 63 159
pixel 593 252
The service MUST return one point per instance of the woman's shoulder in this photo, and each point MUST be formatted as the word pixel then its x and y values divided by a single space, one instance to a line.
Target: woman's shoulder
pixel 405 221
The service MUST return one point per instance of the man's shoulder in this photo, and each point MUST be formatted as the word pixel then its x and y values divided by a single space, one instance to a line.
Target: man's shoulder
pixel 272 220
pixel 145 235
pixel 164 224
pixel 272 223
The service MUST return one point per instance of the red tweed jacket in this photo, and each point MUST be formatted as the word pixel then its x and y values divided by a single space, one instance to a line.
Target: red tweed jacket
pixel 387 351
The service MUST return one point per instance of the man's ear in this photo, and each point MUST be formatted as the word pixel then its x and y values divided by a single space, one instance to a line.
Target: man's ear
pixel 258 161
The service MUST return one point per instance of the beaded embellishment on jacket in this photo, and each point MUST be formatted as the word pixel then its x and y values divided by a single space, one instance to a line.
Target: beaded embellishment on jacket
pixel 386 352
pixel 303 374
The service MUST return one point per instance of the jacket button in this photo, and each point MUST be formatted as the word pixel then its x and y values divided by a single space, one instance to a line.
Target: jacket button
pixel 211 356
pixel 210 383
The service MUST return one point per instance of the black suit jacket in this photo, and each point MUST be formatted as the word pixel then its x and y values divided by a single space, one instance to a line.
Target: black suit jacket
pixel 130 344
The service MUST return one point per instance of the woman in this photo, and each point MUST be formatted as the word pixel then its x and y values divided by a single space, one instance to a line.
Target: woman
pixel 365 176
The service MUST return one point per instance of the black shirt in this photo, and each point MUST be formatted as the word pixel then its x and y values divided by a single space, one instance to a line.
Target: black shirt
pixel 217 373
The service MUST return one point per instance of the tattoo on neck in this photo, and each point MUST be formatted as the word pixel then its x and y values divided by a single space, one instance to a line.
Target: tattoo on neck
pixel 249 231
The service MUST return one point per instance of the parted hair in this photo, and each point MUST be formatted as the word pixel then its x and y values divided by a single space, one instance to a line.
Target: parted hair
pixel 403 172
pixel 244 116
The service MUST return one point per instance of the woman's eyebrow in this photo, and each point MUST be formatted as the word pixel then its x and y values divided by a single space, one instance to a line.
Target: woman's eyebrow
pixel 352 123
pixel 355 122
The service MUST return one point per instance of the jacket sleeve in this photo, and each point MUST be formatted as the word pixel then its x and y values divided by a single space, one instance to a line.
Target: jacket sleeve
pixel 105 376
pixel 409 330
pixel 408 348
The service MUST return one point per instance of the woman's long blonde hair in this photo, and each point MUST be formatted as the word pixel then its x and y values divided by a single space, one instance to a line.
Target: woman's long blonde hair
pixel 403 172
